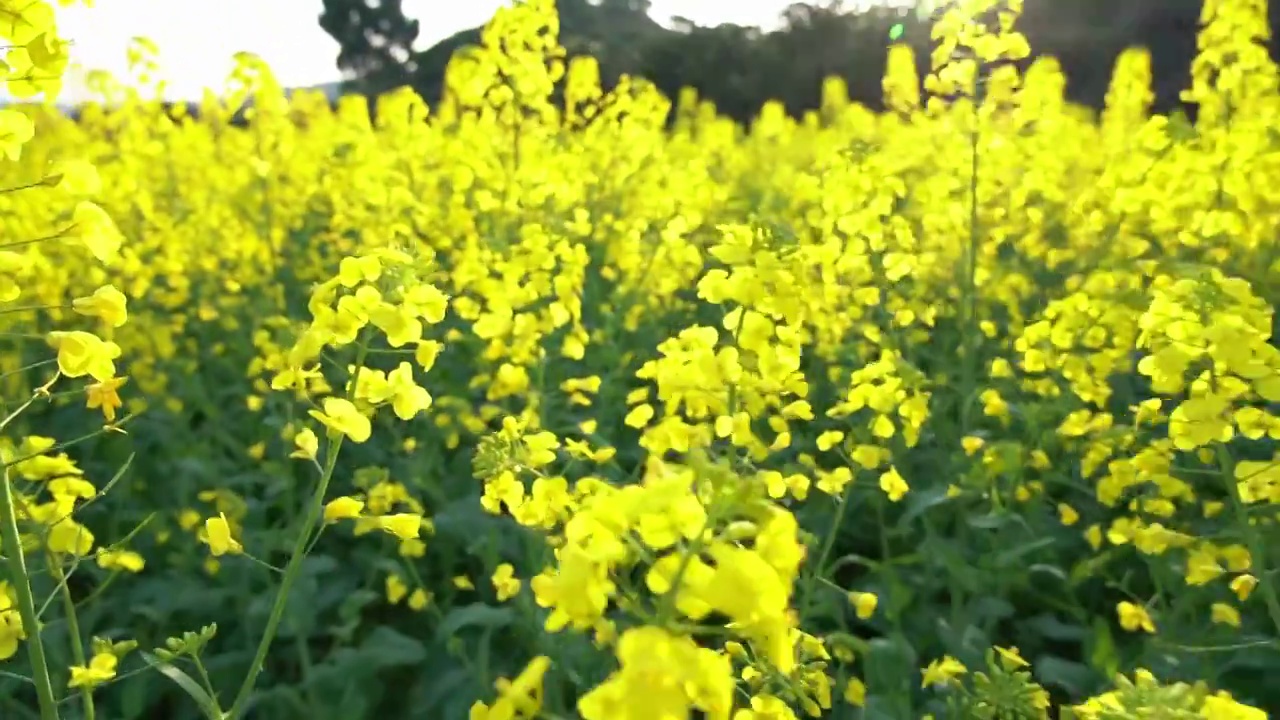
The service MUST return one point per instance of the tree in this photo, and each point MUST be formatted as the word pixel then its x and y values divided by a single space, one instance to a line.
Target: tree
pixel 740 68
pixel 376 40
pixel 726 64
pixel 817 41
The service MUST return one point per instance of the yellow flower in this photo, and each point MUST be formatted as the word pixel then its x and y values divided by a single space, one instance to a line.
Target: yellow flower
pixel 407 397
pixel 1134 617
pixel 1011 658
pixel 306 445
pixel 126 560
pixel 1221 706
pixel 1243 585
pixel 1203 566
pixel 11 265
pixel 972 444
pixel 396 589
pixel 217 535
pixel 1225 614
pixel 855 692
pixel 882 427
pixel 29 22
pixel 403 525
pixel 427 302
pixel 104 395
pixel 93 228
pixel 766 707
pixel 829 439
pixel 101 668
pixel 16 130
pixel 106 303
pixel 397 323
pixel 505 582
pixel 519 698
pixel 419 599
pixel 1093 536
pixel 864 603
pixel 69 537
pixel 81 353
pixel 75 177
pixel 1067 515
pixel 943 671
pixel 342 417
pixel 11 632
pixel 639 416
pixel 426 354
pixel 342 508
pixel 869 457
pixel 354 270
pixel 893 484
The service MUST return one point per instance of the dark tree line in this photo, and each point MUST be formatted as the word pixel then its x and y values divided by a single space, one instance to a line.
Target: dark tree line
pixel 739 68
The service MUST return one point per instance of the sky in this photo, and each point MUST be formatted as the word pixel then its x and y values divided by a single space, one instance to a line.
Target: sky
pixel 197 38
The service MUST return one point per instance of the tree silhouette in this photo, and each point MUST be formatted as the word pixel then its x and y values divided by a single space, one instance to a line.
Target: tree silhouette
pixel 740 68
pixel 376 40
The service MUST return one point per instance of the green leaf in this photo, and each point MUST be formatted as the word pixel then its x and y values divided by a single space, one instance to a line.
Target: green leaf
pixel 386 647
pixel 1053 570
pixel 1013 554
pixel 1180 127
pixel 1102 654
pixel 991 521
pixel 436 690
pixel 467 521
pixel 920 502
pixel 475 615
pixel 355 602
pixel 1051 627
pixel 993 608
pixel 207 704
pixel 1088 568
pixel 1077 679
pixel 891 665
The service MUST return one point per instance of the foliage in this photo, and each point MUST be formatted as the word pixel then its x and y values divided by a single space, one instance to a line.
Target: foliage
pixel 741 68
pixel 531 406
pixel 376 40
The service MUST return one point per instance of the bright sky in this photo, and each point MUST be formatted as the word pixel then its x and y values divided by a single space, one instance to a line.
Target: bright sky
pixel 197 38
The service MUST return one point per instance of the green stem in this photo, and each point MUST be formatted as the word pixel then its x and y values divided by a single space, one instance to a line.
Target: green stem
pixel 34 241
pixel 59 447
pixel 292 569
pixel 954 590
pixel 669 606
pixel 31 308
pixel 887 561
pixel 308 672
pixel 204 677
pixel 26 602
pixel 73 631
pixel 20 188
pixel 827 546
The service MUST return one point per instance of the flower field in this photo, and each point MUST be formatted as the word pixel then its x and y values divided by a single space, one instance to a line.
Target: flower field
pixel 537 404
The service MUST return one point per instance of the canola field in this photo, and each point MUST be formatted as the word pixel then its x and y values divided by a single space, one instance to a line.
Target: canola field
pixel 531 405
